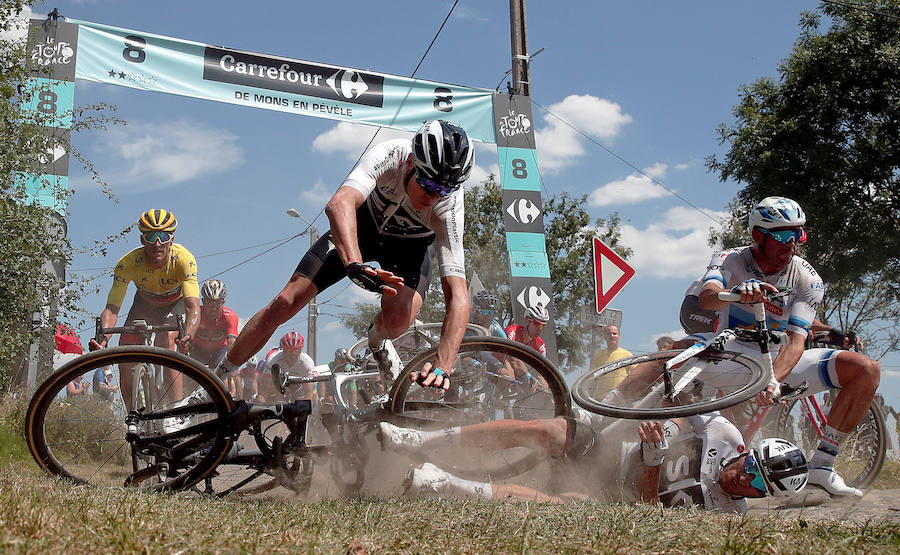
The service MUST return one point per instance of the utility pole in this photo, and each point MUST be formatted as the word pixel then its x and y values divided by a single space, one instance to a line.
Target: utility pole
pixel 518 37
pixel 312 307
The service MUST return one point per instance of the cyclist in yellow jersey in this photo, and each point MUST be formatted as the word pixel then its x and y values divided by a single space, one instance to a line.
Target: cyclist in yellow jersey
pixel 165 275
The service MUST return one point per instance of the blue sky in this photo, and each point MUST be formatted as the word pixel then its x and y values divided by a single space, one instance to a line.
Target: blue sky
pixel 650 81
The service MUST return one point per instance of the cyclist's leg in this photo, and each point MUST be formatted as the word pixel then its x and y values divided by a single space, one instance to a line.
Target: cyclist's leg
pixel 320 268
pixel 172 381
pixel 411 260
pixel 546 436
pixel 859 377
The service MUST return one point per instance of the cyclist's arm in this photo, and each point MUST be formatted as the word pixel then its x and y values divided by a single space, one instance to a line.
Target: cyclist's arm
pixel 789 355
pixel 456 299
pixel 648 484
pixel 341 212
pixel 192 316
pixel 108 319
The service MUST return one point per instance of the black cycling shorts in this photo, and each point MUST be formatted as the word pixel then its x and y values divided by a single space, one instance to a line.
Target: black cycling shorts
pixel 409 258
pixel 153 314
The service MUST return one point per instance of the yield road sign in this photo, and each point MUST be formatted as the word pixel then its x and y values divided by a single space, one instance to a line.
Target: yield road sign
pixel 611 273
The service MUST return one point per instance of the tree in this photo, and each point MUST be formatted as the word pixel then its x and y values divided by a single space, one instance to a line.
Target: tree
pixel 31 236
pixel 826 133
pixel 568 230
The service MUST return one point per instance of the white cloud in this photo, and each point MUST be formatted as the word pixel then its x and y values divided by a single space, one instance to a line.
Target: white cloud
pixel 319 194
pixel 673 247
pixel 674 334
pixel 332 326
pixel 158 155
pixel 560 145
pixel 19 30
pixel 633 189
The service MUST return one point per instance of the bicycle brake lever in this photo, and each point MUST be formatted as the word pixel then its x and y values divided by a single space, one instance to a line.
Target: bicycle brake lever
pixel 789 392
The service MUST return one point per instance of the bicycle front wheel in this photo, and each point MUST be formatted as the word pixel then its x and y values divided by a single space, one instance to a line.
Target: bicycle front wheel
pixel 487 385
pixel 416 339
pixel 638 388
pixel 175 409
pixel 862 454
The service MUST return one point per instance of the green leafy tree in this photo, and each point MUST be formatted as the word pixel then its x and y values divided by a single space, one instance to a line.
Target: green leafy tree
pixel 568 230
pixel 826 133
pixel 33 238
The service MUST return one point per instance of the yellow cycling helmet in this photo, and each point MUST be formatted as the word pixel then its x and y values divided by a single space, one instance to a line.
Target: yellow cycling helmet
pixel 157 219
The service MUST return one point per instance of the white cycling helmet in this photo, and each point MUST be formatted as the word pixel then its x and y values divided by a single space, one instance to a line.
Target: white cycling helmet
pixel 214 290
pixel 252 361
pixel 772 212
pixel 783 466
pixel 537 313
pixel 443 153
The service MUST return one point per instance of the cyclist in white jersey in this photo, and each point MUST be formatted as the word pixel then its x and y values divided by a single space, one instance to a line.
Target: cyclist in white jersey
pixel 768 264
pixel 290 359
pixel 399 205
pixel 698 461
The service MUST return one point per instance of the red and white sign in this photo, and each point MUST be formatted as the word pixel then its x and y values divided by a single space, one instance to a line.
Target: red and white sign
pixel 611 273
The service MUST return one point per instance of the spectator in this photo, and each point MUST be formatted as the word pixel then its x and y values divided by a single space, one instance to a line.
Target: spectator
pixel 612 353
pixel 664 343
pixel 78 386
pixel 103 383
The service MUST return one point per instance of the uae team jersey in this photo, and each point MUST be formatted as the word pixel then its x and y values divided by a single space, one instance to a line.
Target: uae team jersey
pixel 516 332
pixel 689 475
pixel 302 368
pixel 794 312
pixel 380 175
pixel 178 278
pixel 212 335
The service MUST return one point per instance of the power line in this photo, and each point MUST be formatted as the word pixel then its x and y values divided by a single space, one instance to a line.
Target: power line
pixel 629 164
pixel 862 9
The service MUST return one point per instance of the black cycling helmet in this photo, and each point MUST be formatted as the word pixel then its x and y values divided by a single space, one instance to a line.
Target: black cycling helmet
pixel 341 354
pixel 443 153
pixel 486 300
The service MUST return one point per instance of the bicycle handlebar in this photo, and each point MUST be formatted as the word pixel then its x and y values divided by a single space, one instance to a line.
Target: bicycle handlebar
pixel 139 327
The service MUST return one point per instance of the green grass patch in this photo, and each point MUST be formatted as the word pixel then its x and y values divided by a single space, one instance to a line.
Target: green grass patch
pixel 889 477
pixel 42 515
pixel 12 430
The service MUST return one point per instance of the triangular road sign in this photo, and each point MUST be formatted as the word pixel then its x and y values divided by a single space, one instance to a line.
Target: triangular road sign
pixel 611 273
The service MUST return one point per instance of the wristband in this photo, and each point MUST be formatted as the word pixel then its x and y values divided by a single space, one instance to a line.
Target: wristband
pixel 529 377
pixel 437 372
pixel 654 452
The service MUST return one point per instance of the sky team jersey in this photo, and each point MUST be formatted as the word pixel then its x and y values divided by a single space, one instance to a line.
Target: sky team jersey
pixel 690 472
pixel 178 278
pixel 379 176
pixel 792 313
pixel 302 368
pixel 516 332
pixel 213 335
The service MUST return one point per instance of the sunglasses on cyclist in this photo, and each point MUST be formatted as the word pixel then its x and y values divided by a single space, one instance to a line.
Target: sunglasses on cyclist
pixel 431 187
pixel 752 467
pixel 487 312
pixel 161 237
pixel 785 236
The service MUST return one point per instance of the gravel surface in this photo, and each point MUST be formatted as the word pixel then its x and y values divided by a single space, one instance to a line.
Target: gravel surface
pixel 814 503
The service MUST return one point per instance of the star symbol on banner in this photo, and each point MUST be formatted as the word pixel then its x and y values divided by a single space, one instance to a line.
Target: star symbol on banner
pixel 112 73
pixel 121 75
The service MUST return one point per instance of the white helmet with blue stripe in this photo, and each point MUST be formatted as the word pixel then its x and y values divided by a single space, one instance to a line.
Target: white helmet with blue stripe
pixel 774 212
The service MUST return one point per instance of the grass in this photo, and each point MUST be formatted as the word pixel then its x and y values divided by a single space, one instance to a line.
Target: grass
pixel 42 515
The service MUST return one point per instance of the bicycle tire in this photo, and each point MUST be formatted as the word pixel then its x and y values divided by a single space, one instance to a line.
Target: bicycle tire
pixel 411 407
pixel 865 449
pixel 744 379
pixel 83 440
pixel 419 337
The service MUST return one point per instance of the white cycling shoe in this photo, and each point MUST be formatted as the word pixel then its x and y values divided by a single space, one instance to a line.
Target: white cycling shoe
pixel 400 439
pixel 426 480
pixel 388 362
pixel 829 480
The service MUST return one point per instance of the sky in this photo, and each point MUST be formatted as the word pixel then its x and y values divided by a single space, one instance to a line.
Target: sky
pixel 647 82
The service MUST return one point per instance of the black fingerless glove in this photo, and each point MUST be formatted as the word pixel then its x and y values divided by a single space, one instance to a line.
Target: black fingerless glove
pixel 357 274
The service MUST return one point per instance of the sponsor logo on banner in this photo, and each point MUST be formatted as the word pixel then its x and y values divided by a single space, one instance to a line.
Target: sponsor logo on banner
pixel 523 211
pixel 292 76
pixel 52 52
pixel 533 296
pixel 513 124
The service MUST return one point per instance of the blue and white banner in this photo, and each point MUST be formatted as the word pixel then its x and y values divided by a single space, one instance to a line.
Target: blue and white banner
pixel 156 63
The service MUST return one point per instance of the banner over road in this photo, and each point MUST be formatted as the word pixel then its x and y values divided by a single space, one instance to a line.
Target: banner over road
pixel 152 62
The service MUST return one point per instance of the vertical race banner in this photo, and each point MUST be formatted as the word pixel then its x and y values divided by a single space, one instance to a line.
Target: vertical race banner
pixel 523 217
pixel 52 47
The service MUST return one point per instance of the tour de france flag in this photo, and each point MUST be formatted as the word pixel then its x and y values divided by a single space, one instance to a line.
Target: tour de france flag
pixel 156 63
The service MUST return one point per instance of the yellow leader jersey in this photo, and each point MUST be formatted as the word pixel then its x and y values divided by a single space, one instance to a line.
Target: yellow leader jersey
pixel 160 285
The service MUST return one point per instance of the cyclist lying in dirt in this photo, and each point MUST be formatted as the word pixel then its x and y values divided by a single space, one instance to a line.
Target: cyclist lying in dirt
pixel 700 460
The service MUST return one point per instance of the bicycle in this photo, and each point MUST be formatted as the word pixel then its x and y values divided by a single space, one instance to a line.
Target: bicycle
pixel 705 377
pixel 203 449
pixel 413 341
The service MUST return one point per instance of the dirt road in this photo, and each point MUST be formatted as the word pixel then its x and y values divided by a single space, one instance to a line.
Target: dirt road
pixel 814 504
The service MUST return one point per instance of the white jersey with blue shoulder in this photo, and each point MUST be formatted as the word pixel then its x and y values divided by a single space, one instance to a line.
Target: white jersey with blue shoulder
pixel 380 176
pixel 794 312
pixel 300 369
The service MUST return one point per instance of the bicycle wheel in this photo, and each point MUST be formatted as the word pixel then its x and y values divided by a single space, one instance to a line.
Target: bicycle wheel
pixel 862 454
pixel 415 340
pixel 723 379
pixel 178 425
pixel 483 396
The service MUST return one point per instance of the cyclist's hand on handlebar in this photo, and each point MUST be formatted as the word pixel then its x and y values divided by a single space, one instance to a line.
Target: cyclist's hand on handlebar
pixel 94 346
pixel 769 395
pixel 372 279
pixel 753 290
pixel 184 344
pixel 431 377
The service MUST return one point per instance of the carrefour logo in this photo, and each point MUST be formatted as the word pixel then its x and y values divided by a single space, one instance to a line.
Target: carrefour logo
pixel 523 211
pixel 347 83
pixel 533 296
